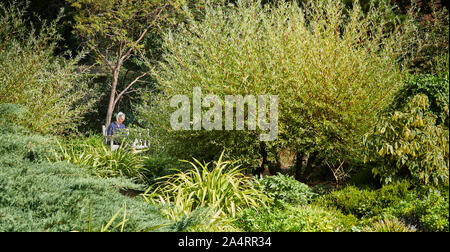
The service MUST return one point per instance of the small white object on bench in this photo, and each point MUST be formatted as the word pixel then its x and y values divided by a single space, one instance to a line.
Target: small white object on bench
pixel 138 144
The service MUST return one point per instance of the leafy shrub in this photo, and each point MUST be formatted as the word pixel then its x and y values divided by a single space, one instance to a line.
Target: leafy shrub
pixel 332 70
pixel 422 210
pixel 284 188
pixel 10 113
pixel 436 90
pixel 433 211
pixel 408 144
pixel 289 218
pixel 16 145
pixel 226 190
pixel 53 89
pixel 427 211
pixel 366 203
pixel 351 200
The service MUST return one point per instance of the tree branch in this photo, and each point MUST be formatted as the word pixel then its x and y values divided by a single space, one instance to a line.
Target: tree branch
pixel 128 87
pixel 125 56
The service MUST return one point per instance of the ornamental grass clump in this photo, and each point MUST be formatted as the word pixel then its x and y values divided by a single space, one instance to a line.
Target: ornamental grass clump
pixel 221 188
pixel 101 161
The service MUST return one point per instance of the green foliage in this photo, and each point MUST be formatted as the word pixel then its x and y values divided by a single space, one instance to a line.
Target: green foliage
pixel 393 225
pixel 408 144
pixel 332 71
pixel 53 89
pixel 9 114
pixel 94 154
pixel 223 189
pixel 433 211
pixel 37 195
pixel 436 90
pixel 366 203
pixel 422 210
pixel 428 211
pixel 284 188
pixel 289 218
pixel 107 24
pixel 16 148
pixel 157 166
pixel 425 48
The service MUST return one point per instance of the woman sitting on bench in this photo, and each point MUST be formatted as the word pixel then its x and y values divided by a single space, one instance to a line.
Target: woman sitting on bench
pixel 117 127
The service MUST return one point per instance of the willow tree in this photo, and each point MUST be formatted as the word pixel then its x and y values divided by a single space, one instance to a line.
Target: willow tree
pixel 115 32
pixel 51 90
pixel 333 70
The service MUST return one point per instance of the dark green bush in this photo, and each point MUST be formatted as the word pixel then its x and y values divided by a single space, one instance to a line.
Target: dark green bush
pixel 433 211
pixel 427 210
pixel 290 218
pixel 421 209
pixel 352 200
pixel 436 90
pixel 160 165
pixel 366 203
pixel 284 188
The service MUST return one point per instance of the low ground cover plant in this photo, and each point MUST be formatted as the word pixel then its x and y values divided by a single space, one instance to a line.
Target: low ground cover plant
pixel 37 195
pixel 295 218
pixel 418 209
pixel 285 189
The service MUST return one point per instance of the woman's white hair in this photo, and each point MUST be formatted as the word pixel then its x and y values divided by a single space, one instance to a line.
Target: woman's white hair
pixel 120 114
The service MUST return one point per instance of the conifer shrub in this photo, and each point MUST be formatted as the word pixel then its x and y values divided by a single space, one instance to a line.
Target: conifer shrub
pixel 37 195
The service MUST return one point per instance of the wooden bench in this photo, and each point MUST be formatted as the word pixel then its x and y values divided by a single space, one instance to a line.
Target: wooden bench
pixel 138 144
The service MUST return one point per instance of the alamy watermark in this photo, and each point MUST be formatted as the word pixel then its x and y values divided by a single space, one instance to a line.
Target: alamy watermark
pixel 212 119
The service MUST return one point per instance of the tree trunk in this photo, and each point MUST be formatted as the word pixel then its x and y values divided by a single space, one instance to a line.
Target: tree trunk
pixel 112 96
pixel 287 161
pixel 263 159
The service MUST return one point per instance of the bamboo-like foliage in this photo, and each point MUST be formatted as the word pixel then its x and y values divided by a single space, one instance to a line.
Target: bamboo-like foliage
pixel 224 189
pixel 333 70
pixel 52 88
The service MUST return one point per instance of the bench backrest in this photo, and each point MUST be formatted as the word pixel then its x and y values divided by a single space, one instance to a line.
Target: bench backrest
pixel 138 143
pixel 104 130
